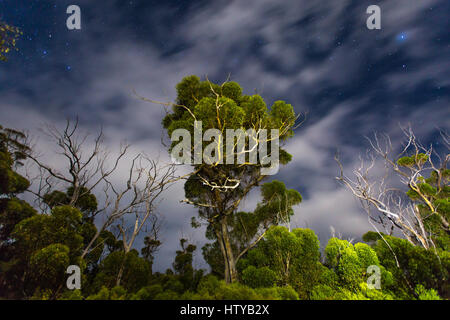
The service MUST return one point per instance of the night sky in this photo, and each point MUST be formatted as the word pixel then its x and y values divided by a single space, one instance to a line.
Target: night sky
pixel 318 56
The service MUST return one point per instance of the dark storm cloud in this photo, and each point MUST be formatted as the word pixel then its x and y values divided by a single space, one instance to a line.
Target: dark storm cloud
pixel 317 55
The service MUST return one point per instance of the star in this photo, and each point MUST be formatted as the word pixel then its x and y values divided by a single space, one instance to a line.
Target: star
pixel 401 37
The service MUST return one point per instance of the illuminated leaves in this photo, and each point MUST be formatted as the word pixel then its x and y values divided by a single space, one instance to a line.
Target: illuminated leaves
pixel 8 39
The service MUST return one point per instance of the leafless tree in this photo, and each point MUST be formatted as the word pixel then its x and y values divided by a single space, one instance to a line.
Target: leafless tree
pixel 83 169
pixel 86 170
pixel 146 182
pixel 157 179
pixel 385 203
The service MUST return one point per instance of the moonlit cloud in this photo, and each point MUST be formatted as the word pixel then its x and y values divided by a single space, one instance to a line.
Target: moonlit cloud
pixel 316 55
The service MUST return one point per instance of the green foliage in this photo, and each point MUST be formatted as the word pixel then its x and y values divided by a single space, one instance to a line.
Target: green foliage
pixel 148 293
pixel 137 271
pixel 86 202
pixel 424 294
pixel 416 265
pixel 210 288
pixel 13 150
pixel 274 208
pixel 347 274
pixel 13 210
pixel 48 266
pixel 187 276
pixel 167 295
pixel 277 202
pixel 430 198
pixel 61 226
pixel 322 292
pixel 224 107
pixel 213 256
pixel 283 293
pixel 35 249
pixel 197 100
pixel 72 295
pixel 284 258
pixel 342 258
pixel 151 245
pixel 44 245
pixel 116 293
pixel 259 277
pixel 8 39
pixel 413 160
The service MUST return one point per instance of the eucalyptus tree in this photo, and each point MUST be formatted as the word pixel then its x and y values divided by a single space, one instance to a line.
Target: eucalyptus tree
pixel 236 146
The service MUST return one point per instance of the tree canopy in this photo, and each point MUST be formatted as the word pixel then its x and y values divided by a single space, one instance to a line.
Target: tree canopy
pixel 252 254
pixel 217 187
pixel 8 39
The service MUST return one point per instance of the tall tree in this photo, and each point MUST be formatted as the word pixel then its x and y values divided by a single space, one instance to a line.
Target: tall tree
pixel 87 170
pixel 217 185
pixel 183 267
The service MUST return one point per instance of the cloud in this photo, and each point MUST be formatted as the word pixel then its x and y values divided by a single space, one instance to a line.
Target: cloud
pixel 333 208
pixel 316 55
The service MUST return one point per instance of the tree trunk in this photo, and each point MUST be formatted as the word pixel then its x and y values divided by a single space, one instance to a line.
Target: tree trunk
pixel 122 267
pixel 227 252
pixel 119 276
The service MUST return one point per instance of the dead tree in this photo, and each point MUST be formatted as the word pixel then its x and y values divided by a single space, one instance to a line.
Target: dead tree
pixel 85 171
pixel 157 179
pixel 387 204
